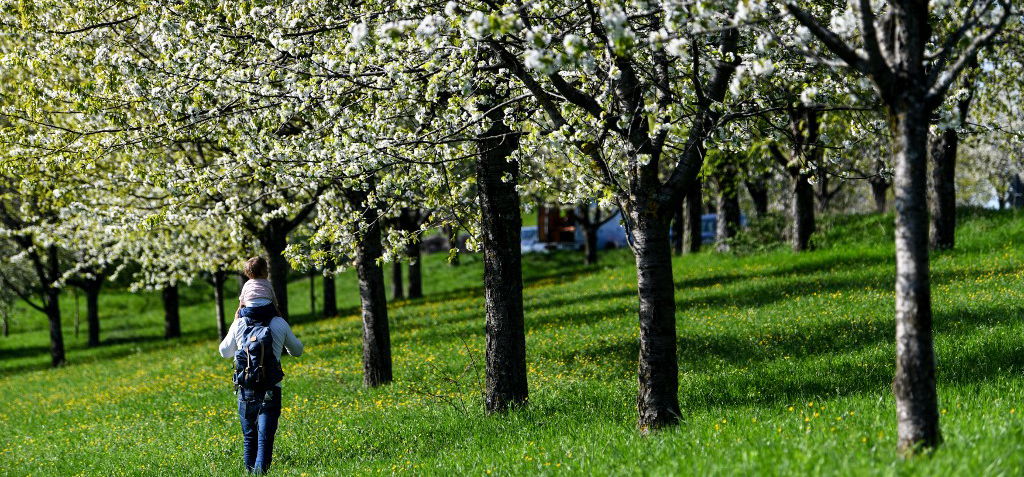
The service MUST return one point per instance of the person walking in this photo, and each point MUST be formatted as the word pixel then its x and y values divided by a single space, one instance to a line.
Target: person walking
pixel 256 340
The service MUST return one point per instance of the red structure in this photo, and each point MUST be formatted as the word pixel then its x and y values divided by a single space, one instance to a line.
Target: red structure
pixel 555 227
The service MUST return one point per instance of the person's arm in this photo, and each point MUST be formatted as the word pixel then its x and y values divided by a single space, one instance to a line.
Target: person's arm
pixel 228 346
pixel 291 343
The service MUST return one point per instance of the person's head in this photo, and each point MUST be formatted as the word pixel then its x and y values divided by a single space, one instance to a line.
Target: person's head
pixel 256 267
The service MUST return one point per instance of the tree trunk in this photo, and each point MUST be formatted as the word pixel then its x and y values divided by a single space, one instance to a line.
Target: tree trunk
pixel 330 295
pixel 397 287
pixel 52 306
pixel 943 190
pixel 219 277
pixel 372 296
pixel 590 244
pixel 501 223
pixel 678 231
pixel 758 190
pixel 92 312
pixel 453 243
pixel 914 383
pixel 1015 197
pixel 172 318
pixel 658 374
pixel 879 191
pixel 727 223
pixel 415 268
pixel 274 246
pixel 694 216
pixel 802 212
pixel 312 293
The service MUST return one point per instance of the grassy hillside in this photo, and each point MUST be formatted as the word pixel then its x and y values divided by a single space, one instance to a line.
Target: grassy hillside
pixel 785 367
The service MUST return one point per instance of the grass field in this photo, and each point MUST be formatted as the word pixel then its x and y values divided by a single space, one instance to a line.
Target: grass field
pixel 785 368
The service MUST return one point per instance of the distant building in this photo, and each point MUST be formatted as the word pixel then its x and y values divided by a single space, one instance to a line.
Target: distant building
pixel 559 228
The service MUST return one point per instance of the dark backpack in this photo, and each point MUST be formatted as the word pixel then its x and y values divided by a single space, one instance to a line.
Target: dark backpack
pixel 256 366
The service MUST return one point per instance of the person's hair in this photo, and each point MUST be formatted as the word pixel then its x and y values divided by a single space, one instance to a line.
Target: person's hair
pixel 256 267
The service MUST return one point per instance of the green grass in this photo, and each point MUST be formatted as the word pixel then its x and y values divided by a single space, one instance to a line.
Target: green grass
pixel 785 368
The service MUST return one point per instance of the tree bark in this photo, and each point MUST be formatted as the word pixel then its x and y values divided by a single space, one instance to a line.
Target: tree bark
pixel 506 381
pixel 879 191
pixel 678 230
pixel 330 295
pixel 943 190
pixel 397 287
pixel 590 220
pixel 802 212
pixel 757 187
pixel 914 382
pixel 590 244
pixel 415 268
pixel 52 305
pixel 172 318
pixel 728 221
pixel 312 293
pixel 274 244
pixel 377 368
pixel 694 216
pixel 453 243
pixel 92 312
pixel 658 374
pixel 219 277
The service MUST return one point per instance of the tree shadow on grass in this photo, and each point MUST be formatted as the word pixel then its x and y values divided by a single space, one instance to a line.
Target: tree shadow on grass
pixel 860 359
pixel 110 348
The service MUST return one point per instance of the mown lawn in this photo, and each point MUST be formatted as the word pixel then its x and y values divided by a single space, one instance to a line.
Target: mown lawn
pixel 785 367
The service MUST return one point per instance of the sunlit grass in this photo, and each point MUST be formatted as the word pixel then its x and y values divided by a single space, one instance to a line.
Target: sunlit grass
pixel 785 368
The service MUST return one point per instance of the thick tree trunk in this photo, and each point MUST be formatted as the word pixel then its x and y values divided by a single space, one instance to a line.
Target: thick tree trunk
pixel 590 244
pixel 219 277
pixel 52 306
pixel 943 190
pixel 92 313
pixel 415 268
pixel 802 212
pixel 678 231
pixel 373 297
pixel 274 246
pixel 48 275
pixel 506 383
pixel 330 295
pixel 397 287
pixel 728 221
pixel 758 190
pixel 312 292
pixel 658 374
pixel 914 383
pixel 1015 195
pixel 172 318
pixel 453 243
pixel 694 217
pixel 879 191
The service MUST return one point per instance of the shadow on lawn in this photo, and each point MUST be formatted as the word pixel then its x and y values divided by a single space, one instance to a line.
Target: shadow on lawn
pixel 859 359
pixel 110 348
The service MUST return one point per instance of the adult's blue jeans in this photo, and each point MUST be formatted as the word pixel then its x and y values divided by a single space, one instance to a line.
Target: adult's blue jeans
pixel 259 412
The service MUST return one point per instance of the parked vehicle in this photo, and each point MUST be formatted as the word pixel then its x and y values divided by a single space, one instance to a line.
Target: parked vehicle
pixel 709 227
pixel 611 235
pixel 566 234
pixel 529 241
